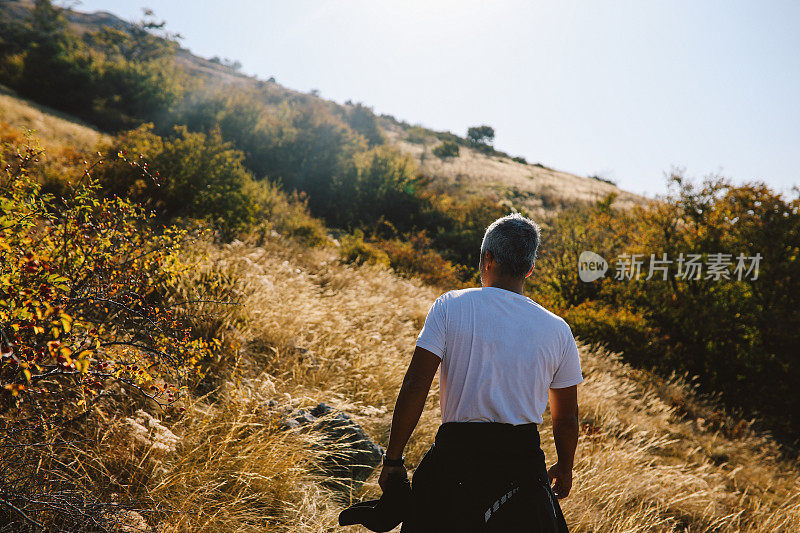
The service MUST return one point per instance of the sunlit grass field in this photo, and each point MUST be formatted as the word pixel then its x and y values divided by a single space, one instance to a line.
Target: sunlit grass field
pixel 646 461
pixel 306 328
pixel 55 132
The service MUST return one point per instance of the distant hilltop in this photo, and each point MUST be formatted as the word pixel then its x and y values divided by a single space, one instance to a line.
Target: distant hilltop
pixel 474 170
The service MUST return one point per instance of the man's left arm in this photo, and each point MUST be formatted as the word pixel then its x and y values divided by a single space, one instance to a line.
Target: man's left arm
pixel 409 406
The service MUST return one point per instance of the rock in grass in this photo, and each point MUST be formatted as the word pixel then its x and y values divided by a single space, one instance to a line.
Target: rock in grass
pixel 352 454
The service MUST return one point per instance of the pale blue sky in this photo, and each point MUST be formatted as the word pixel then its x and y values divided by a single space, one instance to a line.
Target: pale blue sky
pixel 624 89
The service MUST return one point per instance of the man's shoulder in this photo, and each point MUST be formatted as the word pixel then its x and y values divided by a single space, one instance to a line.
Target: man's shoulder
pixel 458 297
pixel 549 315
pixel 549 325
pixel 460 293
pixel 531 305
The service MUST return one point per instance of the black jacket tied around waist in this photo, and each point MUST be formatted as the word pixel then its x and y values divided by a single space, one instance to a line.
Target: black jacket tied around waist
pixel 483 477
pixel 477 477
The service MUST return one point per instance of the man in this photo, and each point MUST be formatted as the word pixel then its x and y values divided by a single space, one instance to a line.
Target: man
pixel 502 356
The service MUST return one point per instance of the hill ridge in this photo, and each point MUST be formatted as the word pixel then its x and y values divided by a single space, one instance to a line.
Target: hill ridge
pixel 495 175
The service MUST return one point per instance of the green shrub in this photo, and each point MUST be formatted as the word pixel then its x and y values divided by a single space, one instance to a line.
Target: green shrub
pixel 459 234
pixel 417 135
pixel 274 210
pixel 480 135
pixel 354 249
pixel 446 149
pixel 734 335
pixel 362 120
pixel 615 328
pixel 11 68
pixel 376 185
pixel 186 175
pixel 115 78
pixel 57 68
pixel 300 144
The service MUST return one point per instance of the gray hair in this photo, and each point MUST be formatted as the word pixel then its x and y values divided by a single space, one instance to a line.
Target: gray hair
pixel 513 241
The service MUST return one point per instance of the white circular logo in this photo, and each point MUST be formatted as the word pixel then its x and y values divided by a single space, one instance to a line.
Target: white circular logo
pixel 591 266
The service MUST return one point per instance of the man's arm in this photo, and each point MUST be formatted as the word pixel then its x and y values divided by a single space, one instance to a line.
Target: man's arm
pixel 564 412
pixel 409 405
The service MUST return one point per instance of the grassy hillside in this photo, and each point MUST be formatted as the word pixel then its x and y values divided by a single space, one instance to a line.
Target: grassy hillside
pixel 652 457
pixel 275 315
pixel 54 130
pixel 539 190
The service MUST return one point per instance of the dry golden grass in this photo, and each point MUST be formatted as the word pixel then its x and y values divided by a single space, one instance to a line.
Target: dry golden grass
pixel 236 470
pixel 68 146
pixel 643 467
pixel 55 131
pixel 321 331
pixel 539 190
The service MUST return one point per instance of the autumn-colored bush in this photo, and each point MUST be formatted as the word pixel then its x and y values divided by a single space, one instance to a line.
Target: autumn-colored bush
pixel 84 307
pixel 354 249
pixel 737 332
pixel 415 256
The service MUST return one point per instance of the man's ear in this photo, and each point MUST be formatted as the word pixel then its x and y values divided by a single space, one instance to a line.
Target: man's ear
pixel 531 270
pixel 487 260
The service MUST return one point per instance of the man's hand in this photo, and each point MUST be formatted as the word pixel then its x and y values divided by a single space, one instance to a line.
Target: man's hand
pixel 561 480
pixel 390 471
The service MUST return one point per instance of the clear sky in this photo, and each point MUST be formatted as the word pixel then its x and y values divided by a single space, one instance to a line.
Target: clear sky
pixel 623 89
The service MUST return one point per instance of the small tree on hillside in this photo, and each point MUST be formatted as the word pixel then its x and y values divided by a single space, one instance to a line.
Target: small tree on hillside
pixel 481 135
pixel 446 149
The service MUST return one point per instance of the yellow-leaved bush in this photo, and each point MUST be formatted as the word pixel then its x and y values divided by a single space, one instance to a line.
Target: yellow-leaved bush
pixel 84 285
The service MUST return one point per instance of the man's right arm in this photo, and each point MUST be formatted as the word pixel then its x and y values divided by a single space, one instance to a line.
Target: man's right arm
pixel 564 413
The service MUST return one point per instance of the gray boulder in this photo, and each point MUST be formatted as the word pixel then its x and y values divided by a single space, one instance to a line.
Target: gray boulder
pixel 350 455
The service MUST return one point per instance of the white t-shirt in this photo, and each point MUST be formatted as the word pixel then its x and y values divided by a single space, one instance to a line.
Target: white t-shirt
pixel 501 352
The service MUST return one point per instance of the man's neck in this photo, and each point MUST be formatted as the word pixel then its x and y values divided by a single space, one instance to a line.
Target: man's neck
pixel 513 286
